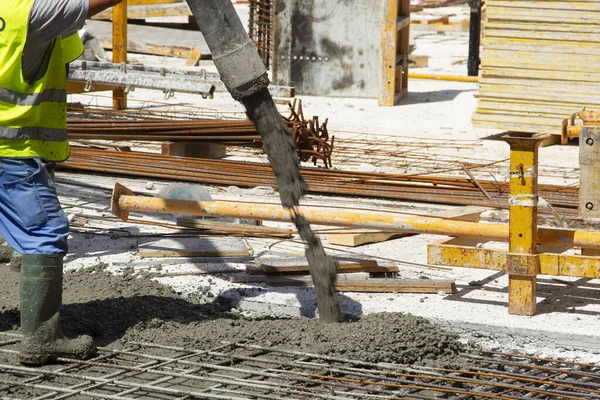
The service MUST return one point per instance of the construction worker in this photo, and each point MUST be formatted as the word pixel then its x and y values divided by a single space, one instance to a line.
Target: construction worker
pixel 37 39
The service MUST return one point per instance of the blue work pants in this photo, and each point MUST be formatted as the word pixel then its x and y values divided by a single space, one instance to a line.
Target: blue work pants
pixel 31 218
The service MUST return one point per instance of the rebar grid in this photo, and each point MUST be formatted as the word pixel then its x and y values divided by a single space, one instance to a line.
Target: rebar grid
pixel 244 371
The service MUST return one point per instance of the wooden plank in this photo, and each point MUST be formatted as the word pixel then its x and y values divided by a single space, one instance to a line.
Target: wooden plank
pixel 561 78
pixel 451 26
pixel 359 237
pixel 352 283
pixel 486 105
pixel 149 11
pixel 534 14
pixel 272 264
pixel 496 27
pixel 548 4
pixel 396 286
pixel 153 40
pixel 192 247
pixel 466 213
pixel 353 239
pixel 291 280
pixel 418 60
pixel 228 227
pixel 425 19
pixel 194 58
pixel 563 96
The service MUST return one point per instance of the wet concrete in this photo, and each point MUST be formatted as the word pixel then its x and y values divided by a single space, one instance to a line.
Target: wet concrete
pixel 120 308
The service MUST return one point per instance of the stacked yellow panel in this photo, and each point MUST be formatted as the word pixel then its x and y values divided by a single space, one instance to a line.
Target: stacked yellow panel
pixel 540 64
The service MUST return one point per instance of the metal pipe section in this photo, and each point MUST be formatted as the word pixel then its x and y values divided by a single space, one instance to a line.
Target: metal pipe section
pixel 123 202
pixel 235 56
pixel 474 37
pixel 438 77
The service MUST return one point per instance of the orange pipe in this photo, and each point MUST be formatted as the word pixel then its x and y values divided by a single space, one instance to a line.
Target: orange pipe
pixel 124 201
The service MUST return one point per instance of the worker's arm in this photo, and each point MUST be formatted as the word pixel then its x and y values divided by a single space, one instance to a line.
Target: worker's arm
pixel 97 6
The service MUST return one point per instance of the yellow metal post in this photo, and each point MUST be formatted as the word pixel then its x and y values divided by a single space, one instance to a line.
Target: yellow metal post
pixel 394 52
pixel 120 49
pixel 522 260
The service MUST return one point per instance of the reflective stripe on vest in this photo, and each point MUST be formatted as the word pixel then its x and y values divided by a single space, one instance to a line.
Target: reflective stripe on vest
pixel 33 133
pixel 33 99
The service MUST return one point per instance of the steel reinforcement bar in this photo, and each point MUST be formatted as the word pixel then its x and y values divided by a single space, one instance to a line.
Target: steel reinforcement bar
pixel 431 189
pixel 234 371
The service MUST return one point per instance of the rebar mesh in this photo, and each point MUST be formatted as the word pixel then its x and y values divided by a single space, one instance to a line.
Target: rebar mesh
pixel 243 371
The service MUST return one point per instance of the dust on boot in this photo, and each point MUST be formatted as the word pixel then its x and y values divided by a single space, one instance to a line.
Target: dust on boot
pixel 41 300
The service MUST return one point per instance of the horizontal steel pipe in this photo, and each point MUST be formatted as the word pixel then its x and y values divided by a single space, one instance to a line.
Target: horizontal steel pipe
pixel 438 77
pixel 123 202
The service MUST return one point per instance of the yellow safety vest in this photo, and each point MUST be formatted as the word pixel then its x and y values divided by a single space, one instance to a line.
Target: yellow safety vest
pixel 72 48
pixel 33 117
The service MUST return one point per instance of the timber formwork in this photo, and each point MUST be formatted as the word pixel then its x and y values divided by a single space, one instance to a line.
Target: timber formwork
pixel 343 49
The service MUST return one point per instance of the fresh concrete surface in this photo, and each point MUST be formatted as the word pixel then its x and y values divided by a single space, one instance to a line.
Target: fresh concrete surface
pixel 568 309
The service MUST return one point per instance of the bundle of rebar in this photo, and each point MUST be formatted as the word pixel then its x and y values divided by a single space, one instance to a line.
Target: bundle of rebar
pixel 311 137
pixel 238 132
pixel 424 188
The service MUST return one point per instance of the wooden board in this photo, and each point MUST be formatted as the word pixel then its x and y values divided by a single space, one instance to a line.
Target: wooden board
pixel 418 60
pixel 272 264
pixel 355 283
pixel 359 237
pixel 537 65
pixel 234 228
pixel 143 11
pixel 355 238
pixel 192 247
pixel 152 40
pixel 292 280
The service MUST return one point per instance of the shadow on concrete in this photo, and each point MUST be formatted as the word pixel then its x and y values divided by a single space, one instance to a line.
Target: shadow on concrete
pixel 431 97
pixel 306 297
pixel 108 319
pixel 560 296
pixel 499 137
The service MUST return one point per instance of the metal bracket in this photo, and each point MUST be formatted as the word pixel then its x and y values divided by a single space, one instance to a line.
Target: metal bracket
pixel 115 207
pixel 89 85
pixel 168 93
pixel 522 264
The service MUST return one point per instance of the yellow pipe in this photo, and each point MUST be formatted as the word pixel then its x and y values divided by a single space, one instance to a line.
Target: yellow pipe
pixel 123 201
pixel 456 78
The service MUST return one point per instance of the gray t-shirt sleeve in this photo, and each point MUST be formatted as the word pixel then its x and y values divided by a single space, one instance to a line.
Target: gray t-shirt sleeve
pixel 50 19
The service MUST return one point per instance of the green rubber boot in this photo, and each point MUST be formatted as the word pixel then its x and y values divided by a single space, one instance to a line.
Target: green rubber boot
pixel 41 299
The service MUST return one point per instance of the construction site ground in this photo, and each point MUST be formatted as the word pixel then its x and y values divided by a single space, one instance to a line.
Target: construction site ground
pixel 119 297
